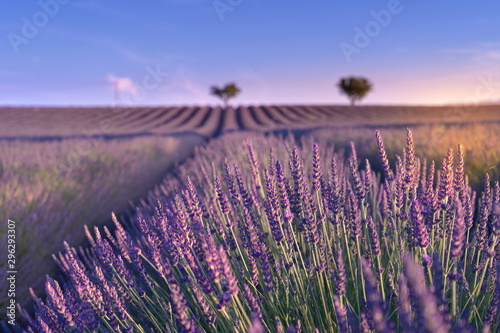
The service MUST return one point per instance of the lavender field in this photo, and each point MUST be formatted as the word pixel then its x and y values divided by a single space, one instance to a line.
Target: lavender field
pixel 53 122
pixel 230 166
pixel 48 187
pixel 276 224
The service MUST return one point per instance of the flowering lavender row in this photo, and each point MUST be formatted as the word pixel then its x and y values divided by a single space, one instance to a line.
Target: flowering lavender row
pixel 49 186
pixel 273 235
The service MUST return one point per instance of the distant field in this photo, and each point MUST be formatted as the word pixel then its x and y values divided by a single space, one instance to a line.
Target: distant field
pixel 212 121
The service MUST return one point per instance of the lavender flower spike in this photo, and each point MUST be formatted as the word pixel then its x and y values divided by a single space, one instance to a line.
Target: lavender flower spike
pixel 254 163
pixel 420 230
pixel 221 196
pixel 374 239
pixel 341 276
pixel 368 176
pixel 358 186
pixel 231 283
pixel 383 157
pixel 458 240
pixel 410 159
pixel 317 174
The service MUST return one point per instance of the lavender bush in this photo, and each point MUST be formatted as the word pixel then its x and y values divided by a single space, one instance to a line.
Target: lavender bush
pixel 48 188
pixel 269 235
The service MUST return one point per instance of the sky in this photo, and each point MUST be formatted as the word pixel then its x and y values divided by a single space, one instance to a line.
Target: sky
pixel 170 52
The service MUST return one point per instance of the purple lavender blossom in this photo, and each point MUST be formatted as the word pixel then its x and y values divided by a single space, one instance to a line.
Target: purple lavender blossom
pixel 56 299
pixel 180 308
pixel 296 168
pixel 458 238
pixel 335 201
pixel 374 239
pixel 254 272
pixel 429 190
pixel 496 192
pixel 208 314
pixel 354 155
pixel 317 173
pixel 366 250
pixel 386 210
pixel 271 190
pixel 185 236
pixel 428 314
pixel 358 186
pixel 368 177
pixel 446 181
pixel 194 207
pixel 266 269
pixel 139 266
pixel 230 184
pixel 252 301
pixel 254 163
pixel 280 181
pixel 400 184
pixel 252 234
pixel 383 157
pixel 481 231
pixel 221 196
pixel 364 325
pixel 341 276
pixel 47 315
pixel 272 161
pixel 227 273
pixel 247 198
pixel 309 219
pixel 459 172
pixel 487 188
pixel 274 223
pixel 410 159
pixel 420 230
pixel 469 211
pixel 354 215
pixel 491 314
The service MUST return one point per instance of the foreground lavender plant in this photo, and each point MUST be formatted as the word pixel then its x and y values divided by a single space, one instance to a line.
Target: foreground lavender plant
pixel 243 248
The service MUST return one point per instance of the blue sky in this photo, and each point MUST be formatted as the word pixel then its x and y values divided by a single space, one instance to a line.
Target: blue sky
pixel 169 52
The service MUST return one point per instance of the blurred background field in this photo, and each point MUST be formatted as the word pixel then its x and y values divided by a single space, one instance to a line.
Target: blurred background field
pixel 432 141
pixel 51 189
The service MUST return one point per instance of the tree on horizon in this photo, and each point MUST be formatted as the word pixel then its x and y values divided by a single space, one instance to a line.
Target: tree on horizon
pixel 355 88
pixel 226 93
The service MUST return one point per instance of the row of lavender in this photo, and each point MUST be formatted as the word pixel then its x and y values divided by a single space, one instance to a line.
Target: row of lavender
pixel 287 239
pixel 48 187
